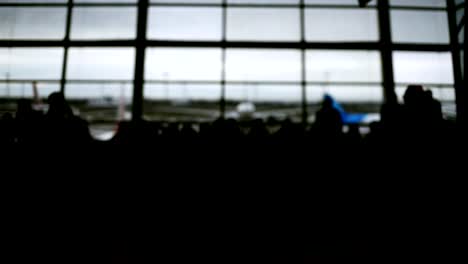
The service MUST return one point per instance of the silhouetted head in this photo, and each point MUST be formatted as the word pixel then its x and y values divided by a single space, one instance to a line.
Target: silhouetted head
pixel 413 94
pixel 428 96
pixel 58 106
pixel 56 99
pixel 327 101
pixel 428 93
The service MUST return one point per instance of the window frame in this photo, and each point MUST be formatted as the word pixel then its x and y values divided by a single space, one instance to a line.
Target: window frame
pixel 141 43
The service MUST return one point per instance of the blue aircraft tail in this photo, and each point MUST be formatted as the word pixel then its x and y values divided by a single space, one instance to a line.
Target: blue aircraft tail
pixel 347 118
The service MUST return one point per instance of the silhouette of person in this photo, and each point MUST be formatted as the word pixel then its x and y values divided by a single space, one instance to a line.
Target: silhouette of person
pixel 59 109
pixel 62 125
pixel 328 123
pixel 433 108
pixel 422 116
pixel 413 104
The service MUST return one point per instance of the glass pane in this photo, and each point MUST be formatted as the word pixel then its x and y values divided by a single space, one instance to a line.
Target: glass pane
pixel 263 24
pixel 462 59
pixel 446 94
pixel 364 99
pixel 341 24
pixel 337 2
pixel 264 101
pixel 423 67
pixel 183 92
pixel 446 97
pixel 263 65
pixel 263 93
pixel 34 1
pixel 32 23
pixel 183 64
pixel 105 1
pixel 177 102
pixel 188 1
pixel 179 23
pixel 99 101
pixel 25 90
pixel 343 66
pixel 460 14
pixel 271 2
pixel 355 99
pixel 103 23
pixel 101 105
pixel 105 91
pixel 419 26
pixel 345 93
pixel 11 92
pixel 101 63
pixel 461 36
pixel 423 3
pixel 31 63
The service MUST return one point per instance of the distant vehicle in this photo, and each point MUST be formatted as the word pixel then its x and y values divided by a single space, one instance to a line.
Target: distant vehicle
pixel 107 107
pixel 180 102
pixel 103 102
pixel 245 110
pixel 248 111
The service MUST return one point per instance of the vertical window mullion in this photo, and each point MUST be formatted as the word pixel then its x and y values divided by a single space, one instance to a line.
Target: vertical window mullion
pixel 303 65
pixel 460 93
pixel 222 105
pixel 137 106
pixel 66 45
pixel 386 49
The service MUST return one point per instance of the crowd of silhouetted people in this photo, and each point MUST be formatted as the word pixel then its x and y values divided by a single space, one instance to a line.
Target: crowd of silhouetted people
pixel 57 126
pixel 250 217
pixel 418 120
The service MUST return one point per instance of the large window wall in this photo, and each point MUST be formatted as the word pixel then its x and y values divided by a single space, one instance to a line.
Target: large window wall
pixel 202 58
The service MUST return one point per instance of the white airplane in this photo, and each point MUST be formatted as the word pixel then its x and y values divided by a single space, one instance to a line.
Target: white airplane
pixel 248 111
